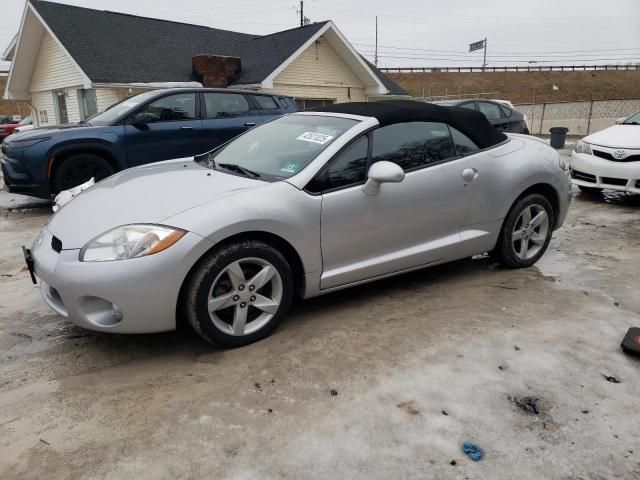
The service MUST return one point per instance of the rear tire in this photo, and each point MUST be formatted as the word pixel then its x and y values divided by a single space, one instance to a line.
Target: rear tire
pixel 239 293
pixel 590 190
pixel 525 233
pixel 79 169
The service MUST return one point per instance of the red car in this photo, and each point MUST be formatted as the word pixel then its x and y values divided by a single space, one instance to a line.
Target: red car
pixel 7 129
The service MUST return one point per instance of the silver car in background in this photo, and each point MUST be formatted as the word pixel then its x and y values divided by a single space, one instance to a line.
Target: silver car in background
pixel 306 204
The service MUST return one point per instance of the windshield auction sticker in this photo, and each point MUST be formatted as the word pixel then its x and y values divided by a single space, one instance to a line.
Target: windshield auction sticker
pixel 314 137
pixel 290 168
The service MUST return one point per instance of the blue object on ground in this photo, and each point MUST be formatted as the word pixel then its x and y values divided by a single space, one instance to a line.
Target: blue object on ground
pixel 473 451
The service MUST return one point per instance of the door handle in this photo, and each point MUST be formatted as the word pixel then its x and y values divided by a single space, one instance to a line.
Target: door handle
pixel 469 175
pixel 186 128
pixel 250 124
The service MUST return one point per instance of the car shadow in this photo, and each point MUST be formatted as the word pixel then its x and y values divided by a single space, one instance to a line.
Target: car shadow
pixel 611 197
pixel 184 341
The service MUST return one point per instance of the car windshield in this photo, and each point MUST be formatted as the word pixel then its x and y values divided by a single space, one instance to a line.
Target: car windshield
pixel 117 110
pixel 25 121
pixel 633 120
pixel 280 148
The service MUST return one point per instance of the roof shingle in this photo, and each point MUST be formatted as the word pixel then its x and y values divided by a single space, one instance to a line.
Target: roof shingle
pixel 113 47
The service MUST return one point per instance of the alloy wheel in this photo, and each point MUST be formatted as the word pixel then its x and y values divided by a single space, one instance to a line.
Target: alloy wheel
pixel 245 296
pixel 530 231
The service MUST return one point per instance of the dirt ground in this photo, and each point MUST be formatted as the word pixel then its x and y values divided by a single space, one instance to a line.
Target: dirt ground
pixel 381 381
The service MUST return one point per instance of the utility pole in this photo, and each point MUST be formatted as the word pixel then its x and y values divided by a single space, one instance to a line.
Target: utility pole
pixel 301 13
pixel 375 62
pixel 303 20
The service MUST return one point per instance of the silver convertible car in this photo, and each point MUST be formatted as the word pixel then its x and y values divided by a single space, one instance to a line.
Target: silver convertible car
pixel 306 204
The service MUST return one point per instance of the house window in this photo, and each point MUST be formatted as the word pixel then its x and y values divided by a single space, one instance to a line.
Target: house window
pixel 43 115
pixel 304 103
pixel 87 103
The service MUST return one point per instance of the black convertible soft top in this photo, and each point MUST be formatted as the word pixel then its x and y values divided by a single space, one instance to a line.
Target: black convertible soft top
pixel 470 122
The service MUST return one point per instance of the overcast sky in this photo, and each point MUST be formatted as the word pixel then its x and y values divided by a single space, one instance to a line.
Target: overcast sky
pixel 417 32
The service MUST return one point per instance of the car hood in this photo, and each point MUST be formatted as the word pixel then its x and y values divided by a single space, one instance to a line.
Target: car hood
pixel 618 136
pixel 147 194
pixel 51 130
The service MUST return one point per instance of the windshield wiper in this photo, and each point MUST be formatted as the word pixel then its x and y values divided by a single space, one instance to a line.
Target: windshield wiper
pixel 84 122
pixel 237 168
pixel 631 123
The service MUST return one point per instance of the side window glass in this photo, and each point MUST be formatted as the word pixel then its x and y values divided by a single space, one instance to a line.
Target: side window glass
pixel 265 103
pixel 463 144
pixel 225 105
pixel 174 107
pixel 506 113
pixel 490 110
pixel 348 168
pixel 412 145
pixel 469 105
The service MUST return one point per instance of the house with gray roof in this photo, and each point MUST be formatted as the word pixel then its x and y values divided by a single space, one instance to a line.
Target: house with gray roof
pixel 69 62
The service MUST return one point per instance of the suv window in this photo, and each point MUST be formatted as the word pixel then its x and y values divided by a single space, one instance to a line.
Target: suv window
pixel 225 105
pixel 349 167
pixel 490 110
pixel 469 105
pixel 506 111
pixel 463 144
pixel 265 103
pixel 412 145
pixel 181 106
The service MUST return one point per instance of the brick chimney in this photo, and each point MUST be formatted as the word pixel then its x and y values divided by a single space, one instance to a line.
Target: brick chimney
pixel 215 70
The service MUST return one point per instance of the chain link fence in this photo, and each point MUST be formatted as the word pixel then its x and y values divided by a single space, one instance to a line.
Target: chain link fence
pixel 581 118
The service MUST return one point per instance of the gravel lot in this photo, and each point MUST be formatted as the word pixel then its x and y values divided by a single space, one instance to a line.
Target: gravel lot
pixel 418 364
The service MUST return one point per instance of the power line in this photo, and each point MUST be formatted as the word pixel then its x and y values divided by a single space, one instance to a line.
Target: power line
pixel 631 59
pixel 500 53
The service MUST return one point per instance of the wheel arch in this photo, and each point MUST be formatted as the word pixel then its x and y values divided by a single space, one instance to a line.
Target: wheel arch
pixel 547 191
pixel 276 241
pixel 58 156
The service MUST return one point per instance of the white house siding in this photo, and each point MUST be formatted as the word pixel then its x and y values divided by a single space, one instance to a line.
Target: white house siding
pixel 54 70
pixel 43 102
pixel 106 97
pixel 320 73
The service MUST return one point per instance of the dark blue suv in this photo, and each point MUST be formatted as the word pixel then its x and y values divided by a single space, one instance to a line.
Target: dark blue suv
pixel 150 127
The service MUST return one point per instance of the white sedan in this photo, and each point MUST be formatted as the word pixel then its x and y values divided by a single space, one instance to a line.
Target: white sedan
pixel 609 159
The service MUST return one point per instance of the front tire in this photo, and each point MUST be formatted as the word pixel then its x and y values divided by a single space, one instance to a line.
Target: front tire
pixel 79 169
pixel 526 232
pixel 239 293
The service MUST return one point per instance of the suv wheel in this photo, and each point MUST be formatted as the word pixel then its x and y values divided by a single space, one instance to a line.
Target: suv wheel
pixel 526 232
pixel 79 169
pixel 239 293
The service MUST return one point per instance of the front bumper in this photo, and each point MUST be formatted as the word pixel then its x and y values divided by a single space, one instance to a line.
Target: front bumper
pixel 18 180
pixel 591 171
pixel 139 295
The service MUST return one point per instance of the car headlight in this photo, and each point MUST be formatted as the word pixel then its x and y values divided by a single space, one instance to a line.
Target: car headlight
pixel 583 147
pixel 130 241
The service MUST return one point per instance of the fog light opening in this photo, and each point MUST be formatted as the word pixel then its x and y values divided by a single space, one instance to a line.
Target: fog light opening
pixel 100 312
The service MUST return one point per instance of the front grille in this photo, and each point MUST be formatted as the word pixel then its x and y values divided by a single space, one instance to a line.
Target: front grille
pixel 585 177
pixel 56 244
pixel 614 181
pixel 608 156
pixel 637 183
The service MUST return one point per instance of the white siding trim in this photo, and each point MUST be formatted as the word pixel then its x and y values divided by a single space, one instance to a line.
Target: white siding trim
pixel 268 82
pixel 86 81
pixel 15 53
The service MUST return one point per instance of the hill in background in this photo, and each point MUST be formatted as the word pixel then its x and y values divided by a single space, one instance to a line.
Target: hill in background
pixel 518 87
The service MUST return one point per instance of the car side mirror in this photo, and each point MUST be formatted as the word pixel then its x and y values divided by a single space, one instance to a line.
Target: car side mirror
pixel 382 172
pixel 143 118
